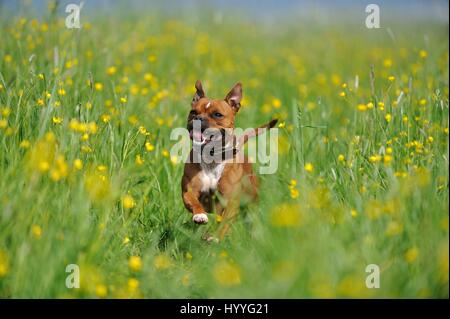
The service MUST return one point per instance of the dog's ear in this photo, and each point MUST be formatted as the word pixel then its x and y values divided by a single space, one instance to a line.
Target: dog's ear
pixel 199 93
pixel 234 97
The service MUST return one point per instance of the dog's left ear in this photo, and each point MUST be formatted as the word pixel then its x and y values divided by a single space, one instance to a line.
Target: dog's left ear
pixel 234 97
pixel 199 92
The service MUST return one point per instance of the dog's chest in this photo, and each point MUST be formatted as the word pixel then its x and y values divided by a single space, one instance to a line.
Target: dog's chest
pixel 210 176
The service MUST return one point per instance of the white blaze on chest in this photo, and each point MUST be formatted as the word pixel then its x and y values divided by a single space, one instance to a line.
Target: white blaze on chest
pixel 210 176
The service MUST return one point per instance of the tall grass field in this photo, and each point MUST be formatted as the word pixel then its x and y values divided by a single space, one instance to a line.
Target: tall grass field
pixel 88 180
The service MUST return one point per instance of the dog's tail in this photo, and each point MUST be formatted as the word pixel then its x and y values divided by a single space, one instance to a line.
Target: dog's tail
pixel 247 135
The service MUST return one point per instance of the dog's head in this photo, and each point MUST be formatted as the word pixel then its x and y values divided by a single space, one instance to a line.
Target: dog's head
pixel 209 115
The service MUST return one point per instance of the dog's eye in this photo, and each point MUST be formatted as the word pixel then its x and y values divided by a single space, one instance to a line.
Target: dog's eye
pixel 193 113
pixel 217 115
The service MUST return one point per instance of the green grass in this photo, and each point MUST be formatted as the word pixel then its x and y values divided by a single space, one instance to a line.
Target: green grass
pixel 364 207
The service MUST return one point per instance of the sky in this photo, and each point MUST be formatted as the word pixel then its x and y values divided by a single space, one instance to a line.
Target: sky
pixel 259 9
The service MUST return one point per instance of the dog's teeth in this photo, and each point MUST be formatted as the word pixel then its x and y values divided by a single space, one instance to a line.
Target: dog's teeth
pixel 200 218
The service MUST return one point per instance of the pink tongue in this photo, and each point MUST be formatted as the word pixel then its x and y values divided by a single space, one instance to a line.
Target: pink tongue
pixel 197 136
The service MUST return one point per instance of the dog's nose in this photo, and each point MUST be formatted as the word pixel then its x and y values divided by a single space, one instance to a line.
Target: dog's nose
pixel 199 118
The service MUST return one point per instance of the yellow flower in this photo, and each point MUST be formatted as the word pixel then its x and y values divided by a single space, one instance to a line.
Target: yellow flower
pixel 411 254
pixel 400 174
pixel 128 202
pixel 342 94
pixel 143 130
pixel 387 63
pixel 111 70
pixel 102 168
pixel 25 144
pixel 86 149
pixel 286 215
pixel 443 262
pixel 135 263
pixel 85 137
pixel 57 120
pixel 44 166
pixel 422 102
pixel 394 228
pixel 61 92
pixel 227 274
pixel 375 158
pixel 36 230
pixel 126 240
pixel 149 147
pixel 354 213
pixel 362 107
pixel 40 102
pixel 309 167
pixel 133 284
pixel 381 106
pixel 370 105
pixel 293 190
pixel 78 164
pixel 188 256
pixel 352 287
pixel 165 153
pixel 185 280
pixel 98 86
pixel 388 117
pixel 276 103
pixel 162 261
pixel 139 160
pixel 294 193
pixel 98 186
pixel 101 291
pixel 105 118
pixel 423 54
pixel 387 159
pixel 3 123
pixel 123 100
pixel 391 78
pixel 341 158
pixel 174 160
pixel 4 264
pixel 8 58
pixel 41 76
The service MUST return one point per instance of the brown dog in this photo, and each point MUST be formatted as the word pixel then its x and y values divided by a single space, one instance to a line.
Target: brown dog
pixel 217 186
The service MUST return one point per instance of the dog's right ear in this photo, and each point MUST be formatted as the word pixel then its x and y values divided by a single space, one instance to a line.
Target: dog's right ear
pixel 199 93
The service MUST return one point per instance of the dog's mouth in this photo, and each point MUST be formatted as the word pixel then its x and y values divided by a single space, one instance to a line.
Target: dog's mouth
pixel 205 136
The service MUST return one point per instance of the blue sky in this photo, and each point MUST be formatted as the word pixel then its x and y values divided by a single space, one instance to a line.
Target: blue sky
pixel 265 9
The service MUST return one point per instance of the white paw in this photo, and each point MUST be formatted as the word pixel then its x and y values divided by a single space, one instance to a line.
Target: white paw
pixel 200 218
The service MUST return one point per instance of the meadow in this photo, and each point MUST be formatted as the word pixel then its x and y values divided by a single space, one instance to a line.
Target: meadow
pixel 86 175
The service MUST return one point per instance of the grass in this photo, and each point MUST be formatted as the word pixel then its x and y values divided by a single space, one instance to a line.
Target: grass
pixel 86 177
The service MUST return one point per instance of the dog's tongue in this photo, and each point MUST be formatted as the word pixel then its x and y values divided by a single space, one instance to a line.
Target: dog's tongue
pixel 196 135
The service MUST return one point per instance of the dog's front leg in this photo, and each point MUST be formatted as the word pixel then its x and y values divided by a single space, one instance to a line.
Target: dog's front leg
pixel 192 202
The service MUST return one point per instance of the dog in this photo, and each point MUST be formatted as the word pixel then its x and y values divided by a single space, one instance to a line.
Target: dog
pixel 217 185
